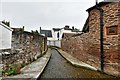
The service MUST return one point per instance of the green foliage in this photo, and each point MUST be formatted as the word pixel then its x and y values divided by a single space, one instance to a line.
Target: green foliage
pixel 23 65
pixel 13 69
pixel 21 29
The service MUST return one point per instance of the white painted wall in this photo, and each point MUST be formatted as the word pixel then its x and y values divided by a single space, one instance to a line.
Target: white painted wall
pixel 49 39
pixel 54 43
pixel 60 34
pixel 54 40
pixel 0 37
pixel 54 34
pixel 5 36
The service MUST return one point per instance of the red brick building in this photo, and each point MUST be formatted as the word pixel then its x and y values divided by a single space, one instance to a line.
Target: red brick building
pixel 86 47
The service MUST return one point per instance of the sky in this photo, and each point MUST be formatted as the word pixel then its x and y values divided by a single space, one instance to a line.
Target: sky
pixel 47 14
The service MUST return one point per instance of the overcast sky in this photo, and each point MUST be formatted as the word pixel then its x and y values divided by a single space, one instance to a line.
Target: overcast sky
pixel 45 13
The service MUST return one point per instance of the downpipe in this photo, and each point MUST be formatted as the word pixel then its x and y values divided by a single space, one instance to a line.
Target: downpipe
pixel 101 38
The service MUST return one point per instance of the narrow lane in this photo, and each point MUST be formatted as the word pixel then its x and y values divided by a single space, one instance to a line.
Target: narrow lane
pixel 58 67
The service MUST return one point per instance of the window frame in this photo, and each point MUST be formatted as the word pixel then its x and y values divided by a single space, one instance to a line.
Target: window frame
pixel 108 30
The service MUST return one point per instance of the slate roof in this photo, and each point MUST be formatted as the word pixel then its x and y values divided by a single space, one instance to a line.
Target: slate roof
pixel 5 26
pixel 99 4
pixel 56 29
pixel 47 33
pixel 86 26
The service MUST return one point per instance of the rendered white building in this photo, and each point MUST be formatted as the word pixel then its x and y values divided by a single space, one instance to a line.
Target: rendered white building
pixel 5 36
pixel 48 34
pixel 55 35
pixel 61 31
pixel 58 34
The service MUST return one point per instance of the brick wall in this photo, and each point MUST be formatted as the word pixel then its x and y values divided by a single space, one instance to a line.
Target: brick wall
pixel 86 47
pixel 26 47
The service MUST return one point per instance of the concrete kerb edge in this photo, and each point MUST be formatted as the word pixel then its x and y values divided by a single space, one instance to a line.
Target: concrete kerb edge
pixel 85 66
pixel 64 57
pixel 75 64
pixel 37 59
pixel 36 77
pixel 47 61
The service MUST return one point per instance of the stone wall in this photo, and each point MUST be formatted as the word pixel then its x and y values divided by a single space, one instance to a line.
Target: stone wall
pixel 26 47
pixel 86 47
pixel 81 48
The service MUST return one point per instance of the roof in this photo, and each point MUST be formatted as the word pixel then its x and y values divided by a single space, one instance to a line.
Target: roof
pixel 56 29
pixel 99 5
pixel 111 0
pixel 65 28
pixel 86 26
pixel 75 30
pixel 47 33
pixel 6 26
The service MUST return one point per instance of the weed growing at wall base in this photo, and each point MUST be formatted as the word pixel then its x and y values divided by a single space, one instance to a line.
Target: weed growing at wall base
pixel 13 69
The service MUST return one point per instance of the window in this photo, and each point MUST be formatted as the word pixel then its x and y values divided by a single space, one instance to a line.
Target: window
pixel 112 30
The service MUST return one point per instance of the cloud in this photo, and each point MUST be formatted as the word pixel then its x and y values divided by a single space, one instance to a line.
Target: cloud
pixel 46 14
pixel 47 0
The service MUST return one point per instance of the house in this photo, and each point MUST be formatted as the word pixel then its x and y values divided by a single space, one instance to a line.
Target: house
pixel 87 46
pixel 59 33
pixel 5 36
pixel 111 32
pixel 48 34
pixel 56 33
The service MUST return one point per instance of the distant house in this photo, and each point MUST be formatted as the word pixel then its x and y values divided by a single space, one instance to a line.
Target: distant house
pixel 55 35
pixel 48 34
pixel 5 36
pixel 59 33
pixel 66 31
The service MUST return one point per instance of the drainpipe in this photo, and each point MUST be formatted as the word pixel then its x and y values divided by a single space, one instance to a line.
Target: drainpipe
pixel 101 37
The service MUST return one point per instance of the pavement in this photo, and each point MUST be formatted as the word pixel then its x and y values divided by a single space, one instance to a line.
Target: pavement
pixel 75 61
pixel 33 70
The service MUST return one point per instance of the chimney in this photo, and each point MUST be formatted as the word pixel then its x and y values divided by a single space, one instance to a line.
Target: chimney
pixel 111 0
pixel 23 28
pixel 40 30
pixel 73 28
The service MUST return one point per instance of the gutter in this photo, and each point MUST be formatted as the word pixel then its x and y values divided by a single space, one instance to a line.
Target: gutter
pixel 6 26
